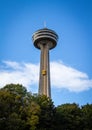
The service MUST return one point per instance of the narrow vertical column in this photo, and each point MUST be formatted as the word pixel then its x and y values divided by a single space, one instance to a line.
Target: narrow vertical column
pixel 44 81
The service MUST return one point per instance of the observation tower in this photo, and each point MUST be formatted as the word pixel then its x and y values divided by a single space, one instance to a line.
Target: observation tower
pixel 45 39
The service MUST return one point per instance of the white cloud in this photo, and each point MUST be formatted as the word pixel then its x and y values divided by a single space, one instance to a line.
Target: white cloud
pixel 67 77
pixel 62 76
pixel 22 73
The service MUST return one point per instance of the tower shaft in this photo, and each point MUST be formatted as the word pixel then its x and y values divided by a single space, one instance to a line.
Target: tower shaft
pixel 44 81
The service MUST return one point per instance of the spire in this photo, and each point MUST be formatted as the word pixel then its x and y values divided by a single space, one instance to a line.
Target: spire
pixel 44 24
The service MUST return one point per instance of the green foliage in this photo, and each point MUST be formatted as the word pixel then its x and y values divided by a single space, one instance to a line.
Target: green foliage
pixel 16 89
pixel 70 116
pixel 46 118
pixel 87 116
pixel 20 110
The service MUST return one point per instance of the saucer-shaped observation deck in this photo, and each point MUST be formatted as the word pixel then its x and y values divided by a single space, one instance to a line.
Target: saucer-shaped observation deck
pixel 45 36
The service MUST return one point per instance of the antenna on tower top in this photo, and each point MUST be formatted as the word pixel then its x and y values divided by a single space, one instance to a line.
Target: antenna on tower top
pixel 44 24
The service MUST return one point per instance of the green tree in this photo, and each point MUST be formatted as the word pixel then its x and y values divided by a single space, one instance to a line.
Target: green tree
pixel 9 110
pixel 20 110
pixel 17 110
pixel 87 116
pixel 47 113
pixel 16 89
pixel 68 117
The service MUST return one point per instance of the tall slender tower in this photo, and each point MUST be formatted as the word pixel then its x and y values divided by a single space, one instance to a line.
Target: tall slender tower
pixel 44 39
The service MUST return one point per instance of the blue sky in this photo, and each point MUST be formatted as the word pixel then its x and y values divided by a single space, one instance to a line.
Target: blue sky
pixel 71 60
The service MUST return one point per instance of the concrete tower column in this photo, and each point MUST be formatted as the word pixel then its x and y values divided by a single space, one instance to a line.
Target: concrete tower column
pixel 44 80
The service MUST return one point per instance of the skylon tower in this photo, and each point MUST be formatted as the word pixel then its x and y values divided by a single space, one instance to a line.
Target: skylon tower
pixel 45 39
